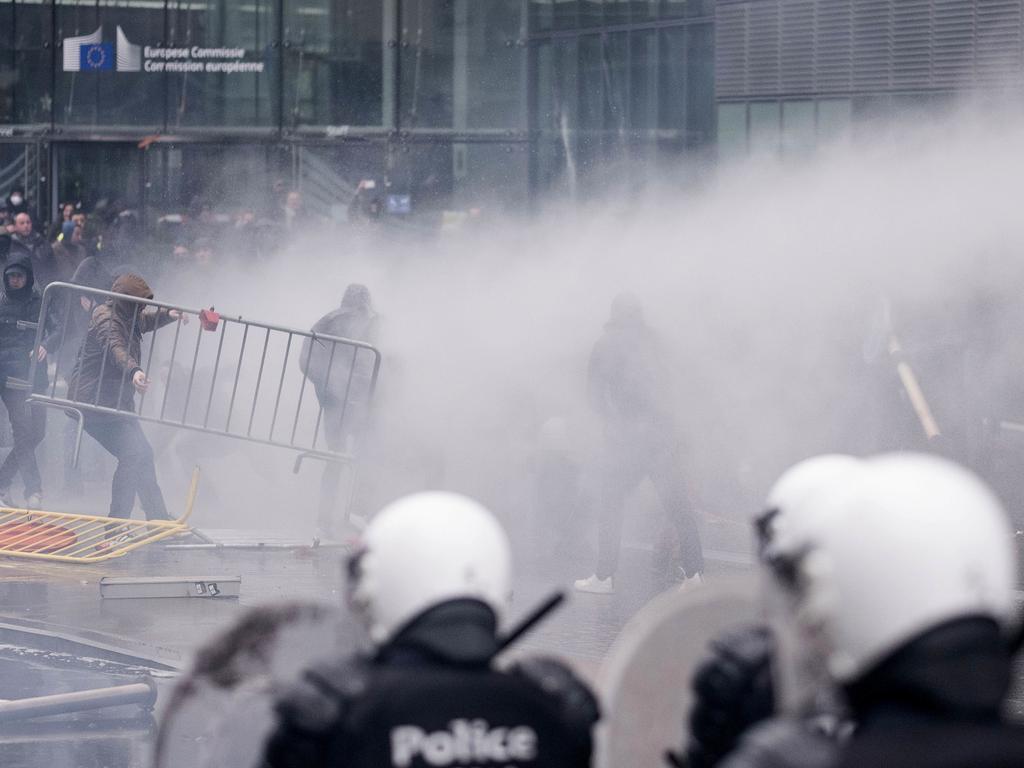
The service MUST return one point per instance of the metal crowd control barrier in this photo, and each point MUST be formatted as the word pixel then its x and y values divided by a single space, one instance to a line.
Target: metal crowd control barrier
pixel 224 376
pixel 72 538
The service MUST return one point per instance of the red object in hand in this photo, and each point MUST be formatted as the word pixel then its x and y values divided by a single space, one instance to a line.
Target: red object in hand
pixel 209 319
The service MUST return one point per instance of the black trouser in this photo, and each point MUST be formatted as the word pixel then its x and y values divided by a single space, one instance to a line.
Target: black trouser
pixel 28 426
pixel 335 435
pixel 634 452
pixel 136 472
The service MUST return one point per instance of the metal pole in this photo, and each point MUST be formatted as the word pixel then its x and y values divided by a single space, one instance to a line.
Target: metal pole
pixel 143 693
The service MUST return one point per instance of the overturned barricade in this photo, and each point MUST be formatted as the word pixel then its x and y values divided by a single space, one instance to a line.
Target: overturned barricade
pixel 73 538
pixel 211 373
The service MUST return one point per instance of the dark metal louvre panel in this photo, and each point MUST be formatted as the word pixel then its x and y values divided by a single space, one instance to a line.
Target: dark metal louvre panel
pixel 998 40
pixel 953 38
pixel 763 48
pixel 796 55
pixel 912 44
pixel 731 65
pixel 833 50
pixel 872 44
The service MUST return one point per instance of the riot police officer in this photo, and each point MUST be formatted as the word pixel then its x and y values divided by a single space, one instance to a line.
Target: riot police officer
pixel 903 597
pixel 431 580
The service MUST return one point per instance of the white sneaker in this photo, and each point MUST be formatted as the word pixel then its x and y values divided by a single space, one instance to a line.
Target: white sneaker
pixel 690 583
pixel 594 585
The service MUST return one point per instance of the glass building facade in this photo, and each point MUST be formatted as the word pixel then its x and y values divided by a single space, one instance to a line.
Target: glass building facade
pixel 457 103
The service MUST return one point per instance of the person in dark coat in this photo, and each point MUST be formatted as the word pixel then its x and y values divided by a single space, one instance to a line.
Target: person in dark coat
pixel 25 240
pixel 629 390
pixel 74 311
pixel 20 306
pixel 341 377
pixel 69 250
pixel 107 374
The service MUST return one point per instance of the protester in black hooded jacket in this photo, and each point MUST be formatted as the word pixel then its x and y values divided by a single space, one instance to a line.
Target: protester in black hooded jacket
pixel 628 383
pixel 20 307
pixel 342 380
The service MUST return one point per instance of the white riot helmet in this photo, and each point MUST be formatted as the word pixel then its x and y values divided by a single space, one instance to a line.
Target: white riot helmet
pixel 424 550
pixel 800 503
pixel 799 507
pixel 919 541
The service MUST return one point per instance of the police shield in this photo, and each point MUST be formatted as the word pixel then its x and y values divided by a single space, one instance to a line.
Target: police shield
pixel 644 683
pixel 221 713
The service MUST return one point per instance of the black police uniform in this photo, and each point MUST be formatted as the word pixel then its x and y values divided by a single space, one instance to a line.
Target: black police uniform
pixel 935 703
pixel 433 697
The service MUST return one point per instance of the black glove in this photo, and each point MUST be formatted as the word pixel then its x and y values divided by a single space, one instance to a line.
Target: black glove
pixel 732 691
pixel 783 743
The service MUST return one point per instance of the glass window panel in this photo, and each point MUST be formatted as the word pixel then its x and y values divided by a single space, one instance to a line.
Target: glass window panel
pixel 26 93
pixel 591 74
pixel 491 177
pixel 616 12
pixel 31 24
pixel 764 128
pixel 225 178
pixel 645 10
pixel 217 94
pixel 834 117
pixel 644 80
pixel 21 165
pixel 424 171
pixel 542 15
pixel 487 36
pixel 591 93
pixel 425 91
pixel 90 172
pixel 566 14
pixel 543 73
pixel 700 84
pixel 333 56
pixel 732 131
pixel 616 66
pixel 672 81
pixel 674 9
pixel 798 131
pixel 591 13
pixel 555 86
pixel 102 91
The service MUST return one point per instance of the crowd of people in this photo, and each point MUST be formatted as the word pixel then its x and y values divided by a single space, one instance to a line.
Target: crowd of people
pixel 890 619
pixel 96 344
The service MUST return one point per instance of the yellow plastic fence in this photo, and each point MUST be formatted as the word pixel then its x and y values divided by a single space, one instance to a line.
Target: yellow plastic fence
pixel 72 538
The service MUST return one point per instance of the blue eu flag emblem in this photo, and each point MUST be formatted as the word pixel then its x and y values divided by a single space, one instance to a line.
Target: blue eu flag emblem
pixel 97 56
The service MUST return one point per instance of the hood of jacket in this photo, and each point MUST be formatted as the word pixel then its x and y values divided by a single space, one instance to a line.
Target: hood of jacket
pixel 357 298
pixel 130 285
pixel 23 261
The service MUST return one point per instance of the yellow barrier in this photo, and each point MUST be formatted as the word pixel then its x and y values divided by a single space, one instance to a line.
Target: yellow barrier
pixel 70 538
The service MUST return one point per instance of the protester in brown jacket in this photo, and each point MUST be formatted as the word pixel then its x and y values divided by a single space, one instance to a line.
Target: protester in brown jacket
pixel 107 374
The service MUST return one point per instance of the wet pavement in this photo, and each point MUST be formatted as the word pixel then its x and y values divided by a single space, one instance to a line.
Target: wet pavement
pixel 57 610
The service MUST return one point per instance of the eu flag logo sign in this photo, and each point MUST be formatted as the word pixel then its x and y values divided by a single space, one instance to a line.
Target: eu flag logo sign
pixel 96 56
